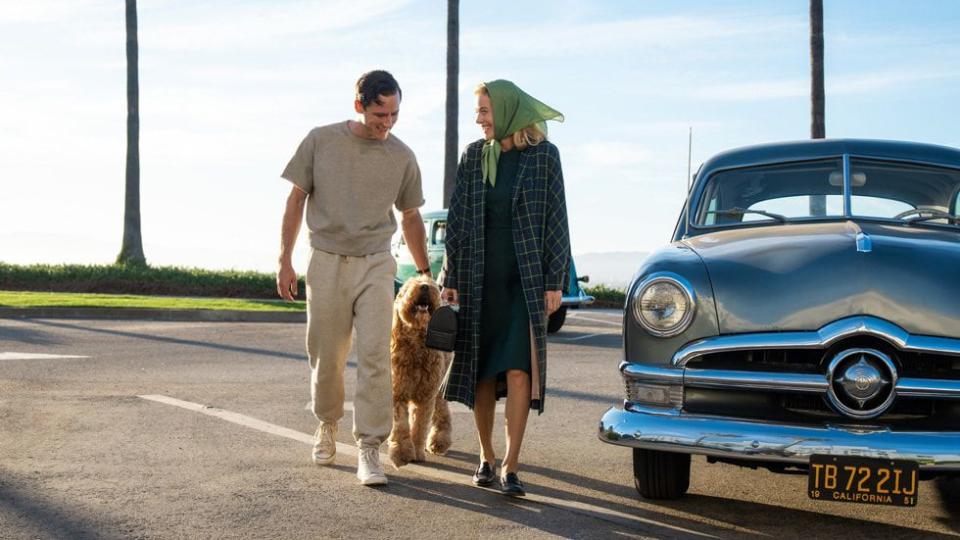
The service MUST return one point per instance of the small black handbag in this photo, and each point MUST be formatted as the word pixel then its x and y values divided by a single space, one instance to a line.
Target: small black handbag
pixel 442 329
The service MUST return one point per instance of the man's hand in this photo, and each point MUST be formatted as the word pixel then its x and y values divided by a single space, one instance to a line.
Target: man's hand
pixel 450 296
pixel 286 282
pixel 552 300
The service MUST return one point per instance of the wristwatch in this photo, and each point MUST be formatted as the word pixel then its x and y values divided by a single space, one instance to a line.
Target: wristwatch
pixel 423 271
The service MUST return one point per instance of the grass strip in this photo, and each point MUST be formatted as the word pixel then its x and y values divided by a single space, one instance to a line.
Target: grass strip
pixel 139 280
pixel 29 299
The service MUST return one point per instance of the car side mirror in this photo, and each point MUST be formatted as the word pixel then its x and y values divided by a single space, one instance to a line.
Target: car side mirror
pixel 584 279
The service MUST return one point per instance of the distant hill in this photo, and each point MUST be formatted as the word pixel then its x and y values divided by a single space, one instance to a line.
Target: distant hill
pixel 614 268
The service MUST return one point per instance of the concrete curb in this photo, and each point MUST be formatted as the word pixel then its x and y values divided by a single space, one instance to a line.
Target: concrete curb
pixel 210 315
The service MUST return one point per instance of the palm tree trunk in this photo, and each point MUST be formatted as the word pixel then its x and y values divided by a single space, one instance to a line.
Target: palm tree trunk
pixel 818 121
pixel 818 203
pixel 132 250
pixel 451 146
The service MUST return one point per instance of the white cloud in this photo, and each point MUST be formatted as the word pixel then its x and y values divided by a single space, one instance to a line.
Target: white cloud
pixel 245 26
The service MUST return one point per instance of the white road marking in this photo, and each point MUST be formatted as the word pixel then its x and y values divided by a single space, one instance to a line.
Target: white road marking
pixel 36 356
pixel 584 337
pixel 455 407
pixel 577 507
pixel 591 319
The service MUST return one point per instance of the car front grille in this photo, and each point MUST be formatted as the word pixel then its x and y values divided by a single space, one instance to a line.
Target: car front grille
pixel 791 385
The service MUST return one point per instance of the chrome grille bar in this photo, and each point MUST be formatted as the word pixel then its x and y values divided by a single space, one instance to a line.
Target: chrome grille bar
pixel 820 339
pixel 755 380
pixel 929 388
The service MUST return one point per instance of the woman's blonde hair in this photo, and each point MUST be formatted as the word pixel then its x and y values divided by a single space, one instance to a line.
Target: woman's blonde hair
pixel 531 135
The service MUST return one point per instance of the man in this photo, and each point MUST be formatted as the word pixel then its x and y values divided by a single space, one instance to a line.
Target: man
pixel 349 175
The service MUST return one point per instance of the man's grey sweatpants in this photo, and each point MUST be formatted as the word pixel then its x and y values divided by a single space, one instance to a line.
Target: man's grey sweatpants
pixel 344 293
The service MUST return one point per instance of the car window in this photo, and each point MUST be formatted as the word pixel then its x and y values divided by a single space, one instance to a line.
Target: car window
pixel 916 186
pixel 794 190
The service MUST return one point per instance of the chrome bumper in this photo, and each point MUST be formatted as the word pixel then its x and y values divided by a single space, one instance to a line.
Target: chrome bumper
pixel 738 439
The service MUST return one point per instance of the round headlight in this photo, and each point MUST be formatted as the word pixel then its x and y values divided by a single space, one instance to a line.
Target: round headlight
pixel 663 305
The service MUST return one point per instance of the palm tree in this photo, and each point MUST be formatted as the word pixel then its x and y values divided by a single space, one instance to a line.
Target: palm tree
pixel 453 75
pixel 132 250
pixel 818 203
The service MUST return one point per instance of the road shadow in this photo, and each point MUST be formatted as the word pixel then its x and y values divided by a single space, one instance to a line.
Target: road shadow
pixel 23 334
pixel 595 484
pixel 770 520
pixel 26 513
pixel 176 341
pixel 949 491
pixel 762 519
pixel 545 517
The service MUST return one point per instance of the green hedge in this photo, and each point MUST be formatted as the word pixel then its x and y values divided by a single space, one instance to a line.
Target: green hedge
pixel 130 279
pixel 607 297
pixel 176 281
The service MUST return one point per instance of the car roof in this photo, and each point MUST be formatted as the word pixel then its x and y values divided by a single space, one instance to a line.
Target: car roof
pixel 825 148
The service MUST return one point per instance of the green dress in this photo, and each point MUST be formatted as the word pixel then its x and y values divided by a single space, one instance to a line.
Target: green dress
pixel 504 322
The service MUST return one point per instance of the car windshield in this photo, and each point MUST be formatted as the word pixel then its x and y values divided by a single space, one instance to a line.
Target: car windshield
pixel 814 190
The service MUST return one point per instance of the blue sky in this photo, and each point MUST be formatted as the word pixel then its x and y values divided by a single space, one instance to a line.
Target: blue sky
pixel 229 88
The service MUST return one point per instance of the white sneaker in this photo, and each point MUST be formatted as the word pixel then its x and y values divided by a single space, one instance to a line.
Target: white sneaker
pixel 325 443
pixel 369 471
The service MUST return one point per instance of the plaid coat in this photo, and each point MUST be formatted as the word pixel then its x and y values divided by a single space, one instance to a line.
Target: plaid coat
pixel 542 243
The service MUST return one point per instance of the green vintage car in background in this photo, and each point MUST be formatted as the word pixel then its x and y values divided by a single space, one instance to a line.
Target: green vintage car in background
pixel 436 226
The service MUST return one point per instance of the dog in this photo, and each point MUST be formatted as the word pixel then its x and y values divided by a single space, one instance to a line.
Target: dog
pixel 417 373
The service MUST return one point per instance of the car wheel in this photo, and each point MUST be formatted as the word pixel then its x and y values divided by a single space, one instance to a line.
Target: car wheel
pixel 556 320
pixel 661 475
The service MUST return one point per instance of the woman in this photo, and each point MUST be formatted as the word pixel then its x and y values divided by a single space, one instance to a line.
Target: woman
pixel 506 263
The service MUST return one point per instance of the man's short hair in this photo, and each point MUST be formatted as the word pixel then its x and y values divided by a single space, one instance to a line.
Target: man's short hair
pixel 376 83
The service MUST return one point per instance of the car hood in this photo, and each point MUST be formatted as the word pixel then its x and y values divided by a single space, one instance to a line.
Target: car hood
pixel 796 277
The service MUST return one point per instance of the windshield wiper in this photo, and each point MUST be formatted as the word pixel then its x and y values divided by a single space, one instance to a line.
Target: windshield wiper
pixel 735 211
pixel 927 214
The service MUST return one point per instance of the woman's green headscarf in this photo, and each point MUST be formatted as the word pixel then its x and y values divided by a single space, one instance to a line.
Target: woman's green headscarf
pixel 513 110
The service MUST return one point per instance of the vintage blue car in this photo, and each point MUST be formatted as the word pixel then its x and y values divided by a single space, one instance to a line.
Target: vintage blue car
pixel 805 318
pixel 435 223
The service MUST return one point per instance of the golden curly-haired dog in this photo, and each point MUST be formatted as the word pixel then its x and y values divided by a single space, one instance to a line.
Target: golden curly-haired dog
pixel 417 374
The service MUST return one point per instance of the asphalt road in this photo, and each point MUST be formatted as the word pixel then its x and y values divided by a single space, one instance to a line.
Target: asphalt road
pixel 136 429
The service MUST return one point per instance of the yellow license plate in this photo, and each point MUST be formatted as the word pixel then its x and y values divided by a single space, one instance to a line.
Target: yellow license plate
pixel 863 480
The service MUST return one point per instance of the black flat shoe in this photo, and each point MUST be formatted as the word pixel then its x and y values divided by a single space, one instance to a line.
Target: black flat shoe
pixel 484 475
pixel 511 485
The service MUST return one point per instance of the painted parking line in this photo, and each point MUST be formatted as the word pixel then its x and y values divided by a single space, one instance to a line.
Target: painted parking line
pixel 455 407
pixel 585 509
pixel 592 319
pixel 578 338
pixel 37 356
